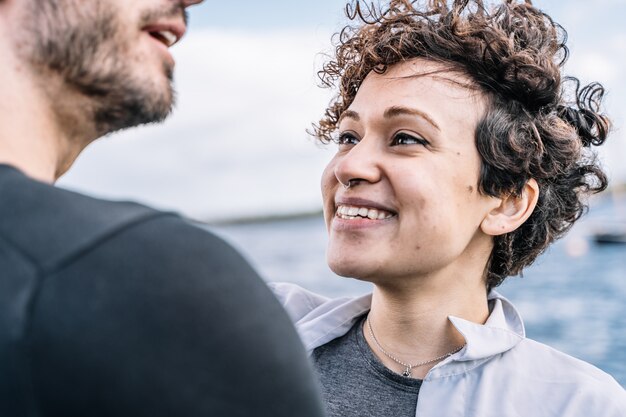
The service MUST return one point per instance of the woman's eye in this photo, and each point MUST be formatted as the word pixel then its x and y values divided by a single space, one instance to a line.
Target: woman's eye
pixel 347 138
pixel 406 139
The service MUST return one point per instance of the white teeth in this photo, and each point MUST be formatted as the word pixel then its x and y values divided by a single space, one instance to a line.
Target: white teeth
pixel 168 36
pixel 352 212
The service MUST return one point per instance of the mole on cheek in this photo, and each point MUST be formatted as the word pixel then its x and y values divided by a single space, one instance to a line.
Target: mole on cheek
pixel 470 189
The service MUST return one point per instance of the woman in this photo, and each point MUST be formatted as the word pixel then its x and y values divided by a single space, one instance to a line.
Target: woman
pixel 460 159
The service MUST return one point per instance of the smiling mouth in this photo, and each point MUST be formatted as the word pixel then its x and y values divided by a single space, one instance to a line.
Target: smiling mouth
pixel 166 37
pixel 347 212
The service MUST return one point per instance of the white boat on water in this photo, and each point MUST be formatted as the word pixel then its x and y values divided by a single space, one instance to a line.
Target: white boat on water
pixel 613 230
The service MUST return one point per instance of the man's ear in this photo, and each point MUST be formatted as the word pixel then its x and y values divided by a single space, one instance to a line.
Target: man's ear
pixel 512 212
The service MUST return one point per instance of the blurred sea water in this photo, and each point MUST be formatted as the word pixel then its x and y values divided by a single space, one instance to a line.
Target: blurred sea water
pixel 572 298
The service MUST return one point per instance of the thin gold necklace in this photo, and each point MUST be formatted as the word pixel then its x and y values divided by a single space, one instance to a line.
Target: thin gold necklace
pixel 407 366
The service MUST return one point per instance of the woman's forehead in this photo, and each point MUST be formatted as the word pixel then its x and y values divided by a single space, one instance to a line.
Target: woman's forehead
pixel 441 90
pixel 428 73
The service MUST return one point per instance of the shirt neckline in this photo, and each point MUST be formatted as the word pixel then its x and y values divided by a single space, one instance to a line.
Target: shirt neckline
pixel 413 384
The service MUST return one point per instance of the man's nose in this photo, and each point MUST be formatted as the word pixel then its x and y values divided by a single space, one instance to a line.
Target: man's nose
pixel 187 3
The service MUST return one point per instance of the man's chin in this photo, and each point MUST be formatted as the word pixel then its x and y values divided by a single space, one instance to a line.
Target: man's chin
pixel 132 108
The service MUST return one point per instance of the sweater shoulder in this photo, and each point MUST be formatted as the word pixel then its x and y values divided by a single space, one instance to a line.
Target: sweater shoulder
pixel 48 224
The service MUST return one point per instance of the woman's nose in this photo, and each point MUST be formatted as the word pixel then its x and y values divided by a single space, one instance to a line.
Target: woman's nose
pixel 360 164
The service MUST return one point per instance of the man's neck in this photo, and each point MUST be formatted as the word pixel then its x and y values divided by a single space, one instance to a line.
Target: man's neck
pixel 34 134
pixel 38 164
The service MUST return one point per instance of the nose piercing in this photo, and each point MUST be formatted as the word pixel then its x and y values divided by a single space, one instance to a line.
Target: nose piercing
pixel 346 186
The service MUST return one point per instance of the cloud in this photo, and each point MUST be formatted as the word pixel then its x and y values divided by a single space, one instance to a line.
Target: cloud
pixel 236 144
pixel 605 62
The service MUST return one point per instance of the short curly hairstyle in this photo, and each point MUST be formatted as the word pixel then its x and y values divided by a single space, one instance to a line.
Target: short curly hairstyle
pixel 539 124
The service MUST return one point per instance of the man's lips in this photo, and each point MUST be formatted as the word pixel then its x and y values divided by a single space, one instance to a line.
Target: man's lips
pixel 167 33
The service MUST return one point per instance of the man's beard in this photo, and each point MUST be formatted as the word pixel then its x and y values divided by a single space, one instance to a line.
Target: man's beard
pixel 84 44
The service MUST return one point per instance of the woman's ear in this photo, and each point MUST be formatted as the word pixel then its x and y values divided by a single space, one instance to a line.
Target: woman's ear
pixel 512 212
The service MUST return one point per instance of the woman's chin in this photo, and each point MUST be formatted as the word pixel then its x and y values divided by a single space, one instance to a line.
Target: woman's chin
pixel 351 268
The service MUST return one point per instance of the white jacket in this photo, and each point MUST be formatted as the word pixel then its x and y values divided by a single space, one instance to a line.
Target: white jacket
pixel 499 373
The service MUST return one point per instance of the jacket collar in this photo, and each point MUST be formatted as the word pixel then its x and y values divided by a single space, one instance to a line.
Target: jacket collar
pixel 502 331
pixel 331 319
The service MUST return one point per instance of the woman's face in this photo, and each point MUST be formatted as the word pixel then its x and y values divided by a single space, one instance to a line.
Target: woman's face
pixel 407 146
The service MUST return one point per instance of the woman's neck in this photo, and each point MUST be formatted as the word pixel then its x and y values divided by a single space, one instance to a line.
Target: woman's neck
pixel 411 322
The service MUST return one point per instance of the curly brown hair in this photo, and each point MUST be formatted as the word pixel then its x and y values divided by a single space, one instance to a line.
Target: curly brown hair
pixel 538 124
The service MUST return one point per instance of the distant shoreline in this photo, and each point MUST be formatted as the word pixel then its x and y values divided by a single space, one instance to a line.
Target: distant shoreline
pixel 263 218
pixel 618 191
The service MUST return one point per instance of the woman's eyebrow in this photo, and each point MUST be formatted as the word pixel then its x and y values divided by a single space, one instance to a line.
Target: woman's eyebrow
pixel 350 114
pixel 404 111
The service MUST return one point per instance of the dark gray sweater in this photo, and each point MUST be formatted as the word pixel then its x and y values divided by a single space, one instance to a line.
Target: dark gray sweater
pixel 115 309
pixel 356 384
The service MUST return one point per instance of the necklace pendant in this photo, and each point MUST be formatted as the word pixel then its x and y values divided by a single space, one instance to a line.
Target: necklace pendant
pixel 407 372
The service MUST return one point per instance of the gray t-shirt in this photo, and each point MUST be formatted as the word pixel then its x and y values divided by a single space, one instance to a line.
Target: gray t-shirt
pixel 355 383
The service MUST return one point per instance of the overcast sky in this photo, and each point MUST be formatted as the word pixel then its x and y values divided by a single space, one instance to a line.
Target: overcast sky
pixel 236 144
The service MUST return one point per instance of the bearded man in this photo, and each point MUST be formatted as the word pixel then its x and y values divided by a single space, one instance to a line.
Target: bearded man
pixel 115 309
